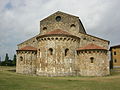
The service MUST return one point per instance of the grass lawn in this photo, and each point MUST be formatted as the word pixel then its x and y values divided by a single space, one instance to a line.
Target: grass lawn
pixel 11 81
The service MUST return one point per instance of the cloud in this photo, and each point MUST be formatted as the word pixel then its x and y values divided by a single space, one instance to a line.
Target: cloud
pixel 19 19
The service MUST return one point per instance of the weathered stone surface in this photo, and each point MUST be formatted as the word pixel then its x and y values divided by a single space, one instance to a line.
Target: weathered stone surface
pixel 26 62
pixel 68 23
pixel 57 54
pixel 98 67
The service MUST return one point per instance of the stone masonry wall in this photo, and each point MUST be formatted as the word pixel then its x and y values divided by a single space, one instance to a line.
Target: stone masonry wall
pixel 57 64
pixel 26 62
pixel 56 54
pixel 68 23
pixel 98 67
pixel 87 39
pixel 30 42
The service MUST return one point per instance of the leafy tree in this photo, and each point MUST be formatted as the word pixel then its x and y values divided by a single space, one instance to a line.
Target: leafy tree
pixel 2 63
pixel 8 62
pixel 6 59
pixel 14 60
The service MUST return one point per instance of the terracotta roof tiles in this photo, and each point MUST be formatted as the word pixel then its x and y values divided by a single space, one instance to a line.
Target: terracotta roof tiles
pixel 57 31
pixel 91 47
pixel 28 48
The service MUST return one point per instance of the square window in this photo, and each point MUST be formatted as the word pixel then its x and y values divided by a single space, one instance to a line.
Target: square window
pixel 115 60
pixel 114 53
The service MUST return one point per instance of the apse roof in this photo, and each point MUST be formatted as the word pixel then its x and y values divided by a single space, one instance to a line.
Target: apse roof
pixel 57 31
pixel 91 47
pixel 28 48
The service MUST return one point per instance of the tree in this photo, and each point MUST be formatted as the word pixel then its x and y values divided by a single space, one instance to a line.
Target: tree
pixel 14 60
pixel 0 60
pixel 6 59
pixel 8 62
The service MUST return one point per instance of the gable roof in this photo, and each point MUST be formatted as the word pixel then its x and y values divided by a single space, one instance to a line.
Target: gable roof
pixel 91 47
pixel 27 48
pixel 59 12
pixel 33 38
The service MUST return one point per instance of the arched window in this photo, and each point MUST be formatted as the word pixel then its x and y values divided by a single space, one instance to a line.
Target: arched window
pixel 44 28
pixel 66 51
pixel 50 51
pixel 92 59
pixel 21 58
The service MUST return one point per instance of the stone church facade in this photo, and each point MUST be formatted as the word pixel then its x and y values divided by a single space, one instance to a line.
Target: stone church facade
pixel 63 48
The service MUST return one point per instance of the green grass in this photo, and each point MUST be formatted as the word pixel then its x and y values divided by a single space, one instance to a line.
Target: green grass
pixel 12 81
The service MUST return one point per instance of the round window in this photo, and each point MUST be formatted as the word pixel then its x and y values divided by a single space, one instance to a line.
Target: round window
pixel 58 18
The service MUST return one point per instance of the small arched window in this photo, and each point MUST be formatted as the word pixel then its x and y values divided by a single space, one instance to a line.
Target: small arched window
pixel 21 58
pixel 44 28
pixel 50 51
pixel 66 51
pixel 91 59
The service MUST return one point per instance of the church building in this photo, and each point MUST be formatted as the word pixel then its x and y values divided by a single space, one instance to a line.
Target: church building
pixel 63 48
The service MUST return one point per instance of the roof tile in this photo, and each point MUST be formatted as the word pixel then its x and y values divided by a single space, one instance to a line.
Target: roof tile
pixel 57 31
pixel 28 48
pixel 91 47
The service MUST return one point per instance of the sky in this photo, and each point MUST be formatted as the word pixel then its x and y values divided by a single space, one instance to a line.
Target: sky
pixel 20 19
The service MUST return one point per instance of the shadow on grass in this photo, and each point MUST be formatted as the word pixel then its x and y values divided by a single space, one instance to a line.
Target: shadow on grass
pixel 14 70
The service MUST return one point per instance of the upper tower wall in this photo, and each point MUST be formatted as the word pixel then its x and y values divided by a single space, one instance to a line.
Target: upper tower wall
pixel 60 20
